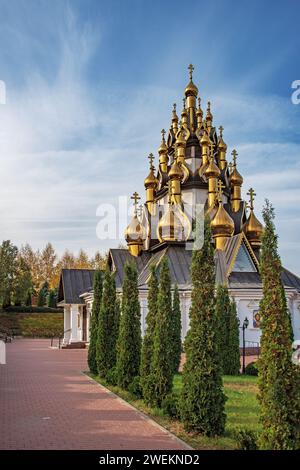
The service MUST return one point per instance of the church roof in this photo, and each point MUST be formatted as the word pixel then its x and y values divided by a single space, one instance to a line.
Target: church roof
pixel 73 283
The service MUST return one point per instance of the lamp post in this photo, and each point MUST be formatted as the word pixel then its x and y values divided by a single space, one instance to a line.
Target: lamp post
pixel 243 328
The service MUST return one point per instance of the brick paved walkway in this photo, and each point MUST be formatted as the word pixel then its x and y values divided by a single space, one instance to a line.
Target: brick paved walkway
pixel 47 403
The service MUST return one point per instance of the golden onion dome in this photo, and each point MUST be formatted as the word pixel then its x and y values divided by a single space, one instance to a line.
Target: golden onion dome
pixel 236 178
pixel 204 139
pixel 151 181
pixel 191 89
pixel 222 224
pixel 209 116
pixel 253 229
pixel 180 139
pixel 221 143
pixel 212 170
pixel 175 171
pixel 170 227
pixel 135 232
pixel 163 146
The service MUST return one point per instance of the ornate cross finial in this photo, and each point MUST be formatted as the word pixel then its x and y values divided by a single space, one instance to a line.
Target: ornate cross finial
pixel 151 158
pixel 199 102
pixel 208 106
pixel 251 194
pixel 220 187
pixel 191 69
pixel 163 133
pixel 135 197
pixel 234 155
pixel 221 129
pixel 174 107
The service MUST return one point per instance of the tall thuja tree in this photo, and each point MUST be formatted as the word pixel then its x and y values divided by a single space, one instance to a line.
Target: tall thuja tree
pixel 231 362
pixel 147 346
pixel 162 367
pixel 176 331
pixel 129 340
pixel 227 332
pixel 107 326
pixel 279 378
pixel 97 287
pixel 203 399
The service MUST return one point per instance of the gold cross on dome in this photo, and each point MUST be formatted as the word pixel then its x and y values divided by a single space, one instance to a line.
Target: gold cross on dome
pixel 251 194
pixel 151 158
pixel 199 102
pixel 191 69
pixel 163 133
pixel 135 197
pixel 211 145
pixel 234 155
pixel 174 107
pixel 221 129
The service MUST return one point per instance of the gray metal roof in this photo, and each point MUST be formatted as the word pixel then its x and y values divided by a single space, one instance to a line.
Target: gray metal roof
pixel 74 282
pixel 119 256
pixel 253 280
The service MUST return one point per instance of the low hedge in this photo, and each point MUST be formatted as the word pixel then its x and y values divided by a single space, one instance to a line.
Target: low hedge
pixel 33 325
pixel 25 309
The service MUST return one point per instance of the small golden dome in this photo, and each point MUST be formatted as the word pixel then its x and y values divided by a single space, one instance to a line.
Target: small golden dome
pixel 135 232
pixel 221 143
pixel 212 170
pixel 191 88
pixel 163 146
pixel 170 227
pixel 253 230
pixel 236 178
pixel 209 116
pixel 222 224
pixel 180 139
pixel 175 171
pixel 204 139
pixel 151 181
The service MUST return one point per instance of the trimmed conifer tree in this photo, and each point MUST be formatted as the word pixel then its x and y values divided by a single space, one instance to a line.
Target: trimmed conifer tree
pixel 231 361
pixel 176 331
pixel 107 326
pixel 162 366
pixel 97 287
pixel 129 340
pixel 203 399
pixel 279 378
pixel 227 332
pixel 147 345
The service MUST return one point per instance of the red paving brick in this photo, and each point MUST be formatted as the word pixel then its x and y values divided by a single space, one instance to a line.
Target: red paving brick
pixel 47 403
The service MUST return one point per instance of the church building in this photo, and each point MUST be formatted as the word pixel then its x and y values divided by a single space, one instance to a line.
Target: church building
pixel 192 179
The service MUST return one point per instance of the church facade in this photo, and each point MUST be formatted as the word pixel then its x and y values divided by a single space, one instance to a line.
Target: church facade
pixel 193 179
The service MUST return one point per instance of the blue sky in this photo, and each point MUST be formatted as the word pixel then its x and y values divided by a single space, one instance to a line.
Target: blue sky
pixel 91 83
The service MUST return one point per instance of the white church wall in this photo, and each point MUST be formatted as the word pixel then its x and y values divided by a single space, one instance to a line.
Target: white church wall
pixel 246 309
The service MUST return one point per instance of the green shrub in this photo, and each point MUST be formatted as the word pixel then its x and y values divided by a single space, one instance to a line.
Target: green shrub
pixel 112 376
pixel 135 387
pixel 30 309
pixel 170 406
pixel 246 439
pixel 251 369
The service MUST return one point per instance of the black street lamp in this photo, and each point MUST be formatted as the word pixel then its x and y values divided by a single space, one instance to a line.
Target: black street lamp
pixel 243 328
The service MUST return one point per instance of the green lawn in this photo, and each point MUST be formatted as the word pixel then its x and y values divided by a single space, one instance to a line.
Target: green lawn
pixel 241 409
pixel 33 325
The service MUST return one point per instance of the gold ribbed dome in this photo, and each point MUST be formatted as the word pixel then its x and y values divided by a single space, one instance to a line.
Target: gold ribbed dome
pixel 209 116
pixel 151 181
pixel 170 227
pixel 135 232
pixel 163 146
pixel 212 170
pixel 204 139
pixel 191 88
pixel 175 171
pixel 222 224
pixel 236 178
pixel 221 143
pixel 253 230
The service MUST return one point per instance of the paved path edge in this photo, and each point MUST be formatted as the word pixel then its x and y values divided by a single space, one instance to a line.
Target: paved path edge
pixel 143 415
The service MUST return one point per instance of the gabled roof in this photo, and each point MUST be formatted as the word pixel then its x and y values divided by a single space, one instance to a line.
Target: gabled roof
pixel 117 258
pixel 74 282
